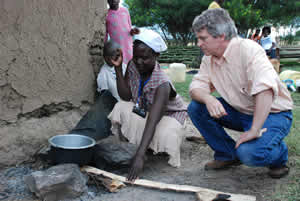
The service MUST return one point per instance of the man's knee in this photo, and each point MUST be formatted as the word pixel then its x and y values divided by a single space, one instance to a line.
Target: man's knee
pixel 244 153
pixel 251 155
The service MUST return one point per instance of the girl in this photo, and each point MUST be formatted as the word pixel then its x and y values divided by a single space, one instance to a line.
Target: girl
pixel 118 27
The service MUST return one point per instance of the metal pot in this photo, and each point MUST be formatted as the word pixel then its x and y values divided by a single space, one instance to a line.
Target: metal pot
pixel 71 148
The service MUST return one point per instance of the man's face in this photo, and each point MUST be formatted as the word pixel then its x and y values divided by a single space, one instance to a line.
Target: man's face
pixel 208 44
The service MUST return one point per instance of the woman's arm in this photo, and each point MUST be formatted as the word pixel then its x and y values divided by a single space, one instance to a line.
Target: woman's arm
pixel 122 82
pixel 156 112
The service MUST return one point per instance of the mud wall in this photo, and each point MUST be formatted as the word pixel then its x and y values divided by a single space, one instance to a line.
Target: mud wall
pixel 47 75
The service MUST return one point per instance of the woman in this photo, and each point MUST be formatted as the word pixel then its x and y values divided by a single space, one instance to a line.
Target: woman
pixel 154 114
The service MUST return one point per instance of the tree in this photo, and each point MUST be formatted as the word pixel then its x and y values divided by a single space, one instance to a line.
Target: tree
pixel 244 15
pixel 277 12
pixel 175 17
pixel 172 16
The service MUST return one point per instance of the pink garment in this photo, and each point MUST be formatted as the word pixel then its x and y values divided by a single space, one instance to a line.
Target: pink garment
pixel 243 71
pixel 118 26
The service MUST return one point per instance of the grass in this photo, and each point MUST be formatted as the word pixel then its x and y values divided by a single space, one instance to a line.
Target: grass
pixel 295 68
pixel 183 88
pixel 289 191
pixel 290 65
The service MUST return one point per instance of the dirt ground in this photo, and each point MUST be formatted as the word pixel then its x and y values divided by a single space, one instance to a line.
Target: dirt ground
pixel 239 180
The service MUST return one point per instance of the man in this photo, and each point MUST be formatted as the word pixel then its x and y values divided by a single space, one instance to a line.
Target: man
pixel 253 100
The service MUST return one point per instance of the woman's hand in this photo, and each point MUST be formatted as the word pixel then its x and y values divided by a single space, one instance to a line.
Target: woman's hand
pixel 136 168
pixel 117 59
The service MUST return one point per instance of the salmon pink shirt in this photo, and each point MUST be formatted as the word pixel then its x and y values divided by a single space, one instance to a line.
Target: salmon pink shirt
pixel 243 71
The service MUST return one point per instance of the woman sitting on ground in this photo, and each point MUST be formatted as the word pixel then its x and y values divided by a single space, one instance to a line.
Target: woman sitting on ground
pixel 152 114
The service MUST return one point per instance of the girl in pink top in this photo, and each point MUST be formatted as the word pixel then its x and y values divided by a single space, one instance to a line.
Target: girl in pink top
pixel 118 27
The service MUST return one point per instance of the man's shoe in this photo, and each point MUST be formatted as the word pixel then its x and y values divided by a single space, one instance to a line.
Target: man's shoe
pixel 277 173
pixel 219 165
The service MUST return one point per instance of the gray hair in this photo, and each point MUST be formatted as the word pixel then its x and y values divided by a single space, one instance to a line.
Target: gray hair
pixel 217 22
pixel 110 48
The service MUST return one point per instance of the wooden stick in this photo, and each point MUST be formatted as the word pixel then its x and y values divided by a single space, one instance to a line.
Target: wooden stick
pixel 203 194
pixel 111 184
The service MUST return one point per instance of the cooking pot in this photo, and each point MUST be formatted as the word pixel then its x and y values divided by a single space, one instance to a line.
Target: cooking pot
pixel 71 148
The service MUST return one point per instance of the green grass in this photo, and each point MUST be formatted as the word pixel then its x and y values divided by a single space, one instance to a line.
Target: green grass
pixel 289 65
pixel 183 88
pixel 293 139
pixel 289 191
pixel 295 68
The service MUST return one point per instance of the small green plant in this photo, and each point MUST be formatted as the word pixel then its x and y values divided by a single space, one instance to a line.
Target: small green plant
pixel 288 39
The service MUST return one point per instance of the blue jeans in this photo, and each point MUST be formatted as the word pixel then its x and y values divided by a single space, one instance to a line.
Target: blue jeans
pixel 269 150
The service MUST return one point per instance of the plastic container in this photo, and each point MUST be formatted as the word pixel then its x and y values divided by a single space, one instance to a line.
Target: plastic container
pixel 290 74
pixel 298 85
pixel 290 84
pixel 177 72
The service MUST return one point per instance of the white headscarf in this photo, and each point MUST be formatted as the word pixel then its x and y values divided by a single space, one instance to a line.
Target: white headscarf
pixel 152 39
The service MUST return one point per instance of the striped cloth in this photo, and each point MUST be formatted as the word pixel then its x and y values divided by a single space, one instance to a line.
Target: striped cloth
pixel 175 108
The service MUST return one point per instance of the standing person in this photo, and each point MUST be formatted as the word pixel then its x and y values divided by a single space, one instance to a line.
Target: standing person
pixel 268 42
pixel 256 36
pixel 152 114
pixel 119 28
pixel 216 4
pixel 253 99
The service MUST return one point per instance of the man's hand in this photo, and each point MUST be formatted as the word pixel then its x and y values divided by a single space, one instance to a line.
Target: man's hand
pixel 249 135
pixel 117 59
pixel 136 168
pixel 215 107
pixel 134 31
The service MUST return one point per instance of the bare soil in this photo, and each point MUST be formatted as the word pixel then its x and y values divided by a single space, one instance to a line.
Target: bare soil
pixel 239 180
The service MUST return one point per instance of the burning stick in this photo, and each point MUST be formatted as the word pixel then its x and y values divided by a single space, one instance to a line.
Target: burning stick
pixel 203 194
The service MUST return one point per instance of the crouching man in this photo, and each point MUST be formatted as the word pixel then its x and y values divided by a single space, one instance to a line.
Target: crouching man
pixel 253 100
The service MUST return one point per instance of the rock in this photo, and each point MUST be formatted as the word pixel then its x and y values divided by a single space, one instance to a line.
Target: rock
pixel 59 182
pixel 113 153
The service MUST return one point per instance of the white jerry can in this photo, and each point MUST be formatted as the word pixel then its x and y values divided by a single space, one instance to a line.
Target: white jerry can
pixel 177 72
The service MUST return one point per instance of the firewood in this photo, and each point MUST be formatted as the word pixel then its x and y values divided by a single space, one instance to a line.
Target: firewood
pixel 112 185
pixel 203 194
